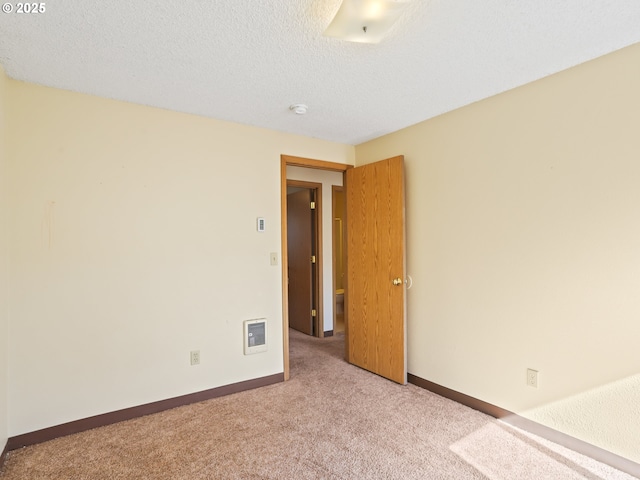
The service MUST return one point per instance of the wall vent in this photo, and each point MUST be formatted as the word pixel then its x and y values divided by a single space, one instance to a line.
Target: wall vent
pixel 255 336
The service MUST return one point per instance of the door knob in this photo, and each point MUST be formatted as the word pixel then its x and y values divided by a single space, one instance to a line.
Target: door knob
pixel 397 281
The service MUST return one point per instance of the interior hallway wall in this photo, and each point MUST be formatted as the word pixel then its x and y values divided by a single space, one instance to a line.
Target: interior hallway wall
pixel 134 242
pixel 524 248
pixel 4 267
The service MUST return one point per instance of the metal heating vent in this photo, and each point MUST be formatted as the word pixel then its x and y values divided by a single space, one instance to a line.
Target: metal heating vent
pixel 255 336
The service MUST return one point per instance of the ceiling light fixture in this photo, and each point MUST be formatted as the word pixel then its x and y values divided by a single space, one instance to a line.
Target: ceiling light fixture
pixel 365 21
pixel 299 108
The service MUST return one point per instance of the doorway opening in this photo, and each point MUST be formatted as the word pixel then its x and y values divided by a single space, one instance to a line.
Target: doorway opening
pixel 338 215
pixel 286 160
pixel 375 285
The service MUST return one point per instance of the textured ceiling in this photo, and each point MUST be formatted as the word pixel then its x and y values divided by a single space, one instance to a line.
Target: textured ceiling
pixel 247 60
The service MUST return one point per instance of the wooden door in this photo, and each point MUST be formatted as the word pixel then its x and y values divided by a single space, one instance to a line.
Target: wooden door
pixel 299 252
pixel 375 303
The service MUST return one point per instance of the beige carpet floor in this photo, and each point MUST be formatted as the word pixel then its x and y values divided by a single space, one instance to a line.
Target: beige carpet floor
pixel 330 421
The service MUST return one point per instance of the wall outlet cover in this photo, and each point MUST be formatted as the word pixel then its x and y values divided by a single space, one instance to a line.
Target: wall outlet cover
pixel 195 357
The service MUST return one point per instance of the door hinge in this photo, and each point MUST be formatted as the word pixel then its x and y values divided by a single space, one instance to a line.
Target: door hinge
pixel 313 205
pixel 313 312
pixel 313 259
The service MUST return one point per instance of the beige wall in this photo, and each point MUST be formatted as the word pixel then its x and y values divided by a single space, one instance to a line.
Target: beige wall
pixel 133 242
pixel 326 178
pixel 4 269
pixel 524 247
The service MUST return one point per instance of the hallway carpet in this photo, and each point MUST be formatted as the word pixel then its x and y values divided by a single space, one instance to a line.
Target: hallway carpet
pixel 330 421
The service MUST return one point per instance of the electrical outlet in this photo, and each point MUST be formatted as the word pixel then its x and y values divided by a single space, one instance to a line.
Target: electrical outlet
pixel 195 357
pixel 532 378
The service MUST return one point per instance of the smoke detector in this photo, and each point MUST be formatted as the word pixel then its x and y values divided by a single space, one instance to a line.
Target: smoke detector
pixel 299 108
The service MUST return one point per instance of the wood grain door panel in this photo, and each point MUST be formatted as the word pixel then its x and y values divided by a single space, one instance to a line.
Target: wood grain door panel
pixel 299 251
pixel 376 256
